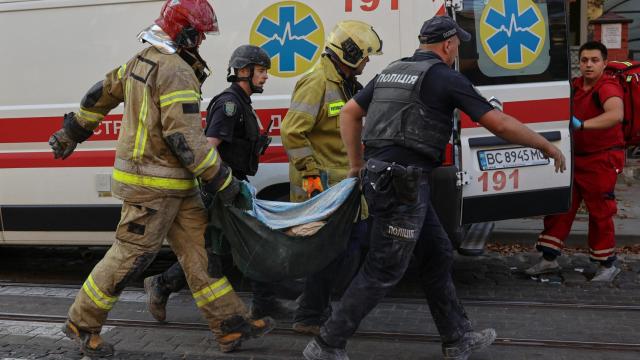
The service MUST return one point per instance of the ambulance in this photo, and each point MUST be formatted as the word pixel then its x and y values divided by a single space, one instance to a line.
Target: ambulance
pixel 53 51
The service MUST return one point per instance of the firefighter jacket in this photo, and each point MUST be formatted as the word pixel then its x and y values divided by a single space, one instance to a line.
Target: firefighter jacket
pixel 311 130
pixel 161 148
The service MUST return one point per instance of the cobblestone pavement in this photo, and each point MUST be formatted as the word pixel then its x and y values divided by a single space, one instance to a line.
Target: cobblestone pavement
pixel 488 277
pixel 275 347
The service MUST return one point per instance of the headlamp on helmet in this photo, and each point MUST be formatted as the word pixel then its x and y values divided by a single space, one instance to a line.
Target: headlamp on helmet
pixel 352 41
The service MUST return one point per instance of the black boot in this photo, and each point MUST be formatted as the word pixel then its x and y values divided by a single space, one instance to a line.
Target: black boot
pixel 157 297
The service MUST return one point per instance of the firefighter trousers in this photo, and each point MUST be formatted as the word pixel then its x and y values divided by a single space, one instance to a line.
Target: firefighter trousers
pixel 143 227
pixel 594 182
pixel 404 223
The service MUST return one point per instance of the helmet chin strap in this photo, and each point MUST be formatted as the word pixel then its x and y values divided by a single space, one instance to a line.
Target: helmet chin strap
pixel 192 57
pixel 254 89
pixel 335 59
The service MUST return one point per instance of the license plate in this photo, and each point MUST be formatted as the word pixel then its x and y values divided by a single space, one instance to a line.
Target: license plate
pixel 510 158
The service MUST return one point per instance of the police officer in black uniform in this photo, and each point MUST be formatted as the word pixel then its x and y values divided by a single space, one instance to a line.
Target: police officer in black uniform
pixel 409 109
pixel 232 126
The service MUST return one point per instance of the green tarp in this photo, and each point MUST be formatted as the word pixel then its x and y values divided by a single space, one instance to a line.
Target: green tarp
pixel 268 255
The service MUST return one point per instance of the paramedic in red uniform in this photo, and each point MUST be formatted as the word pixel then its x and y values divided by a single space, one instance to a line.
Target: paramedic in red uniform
pixel 599 157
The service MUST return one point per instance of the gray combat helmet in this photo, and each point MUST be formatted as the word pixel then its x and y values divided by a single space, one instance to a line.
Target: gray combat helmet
pixel 247 55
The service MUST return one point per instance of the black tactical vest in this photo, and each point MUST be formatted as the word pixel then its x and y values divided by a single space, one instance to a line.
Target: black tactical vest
pixel 397 115
pixel 242 153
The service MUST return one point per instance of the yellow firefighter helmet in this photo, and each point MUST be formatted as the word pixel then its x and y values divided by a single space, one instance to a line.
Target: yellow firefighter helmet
pixel 352 41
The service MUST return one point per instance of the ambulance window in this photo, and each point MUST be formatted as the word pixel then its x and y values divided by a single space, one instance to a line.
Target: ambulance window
pixel 514 41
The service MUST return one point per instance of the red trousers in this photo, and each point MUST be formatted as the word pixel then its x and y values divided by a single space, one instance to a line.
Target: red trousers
pixel 594 182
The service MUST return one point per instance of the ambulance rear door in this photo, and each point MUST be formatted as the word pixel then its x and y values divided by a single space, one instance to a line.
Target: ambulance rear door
pixel 519 54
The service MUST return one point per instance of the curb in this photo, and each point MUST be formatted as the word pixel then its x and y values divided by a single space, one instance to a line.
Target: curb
pixel 576 239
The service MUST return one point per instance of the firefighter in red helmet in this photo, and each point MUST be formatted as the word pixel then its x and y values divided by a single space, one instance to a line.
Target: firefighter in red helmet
pixel 160 155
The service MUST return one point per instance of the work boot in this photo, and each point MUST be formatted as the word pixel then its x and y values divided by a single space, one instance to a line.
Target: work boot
pixel 236 329
pixel 306 329
pixel 91 345
pixel 606 274
pixel 317 349
pixel 157 297
pixel 470 342
pixel 543 267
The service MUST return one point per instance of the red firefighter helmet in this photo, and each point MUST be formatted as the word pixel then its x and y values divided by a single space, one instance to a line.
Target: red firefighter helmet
pixel 186 21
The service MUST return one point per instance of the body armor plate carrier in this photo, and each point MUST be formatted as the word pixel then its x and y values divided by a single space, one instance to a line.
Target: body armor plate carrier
pixel 242 154
pixel 397 115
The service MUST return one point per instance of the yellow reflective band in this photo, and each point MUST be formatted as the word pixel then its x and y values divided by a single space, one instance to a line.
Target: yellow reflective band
pixel 226 182
pixel 95 299
pixel 629 78
pixel 627 63
pixel 90 116
pixel 208 288
pixel 145 110
pixel 335 107
pixel 98 297
pixel 127 90
pixel 154 182
pixel 122 70
pixel 111 299
pixel 208 161
pixel 212 292
pixel 141 134
pixel 182 99
pixel 179 93
pixel 179 96
pixel 217 295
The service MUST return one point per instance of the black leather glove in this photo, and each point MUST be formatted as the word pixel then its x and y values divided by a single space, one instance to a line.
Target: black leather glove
pixel 237 194
pixel 228 194
pixel 65 140
pixel 61 144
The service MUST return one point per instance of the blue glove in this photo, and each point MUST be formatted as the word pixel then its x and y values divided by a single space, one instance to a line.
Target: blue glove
pixel 577 124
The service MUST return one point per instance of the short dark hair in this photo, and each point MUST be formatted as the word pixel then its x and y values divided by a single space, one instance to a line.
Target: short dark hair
pixel 594 45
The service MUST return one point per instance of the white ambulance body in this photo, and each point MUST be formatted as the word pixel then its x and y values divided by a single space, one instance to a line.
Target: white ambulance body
pixel 55 50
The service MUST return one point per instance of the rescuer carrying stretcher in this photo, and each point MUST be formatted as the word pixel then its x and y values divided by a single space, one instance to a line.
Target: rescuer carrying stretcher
pixel 159 155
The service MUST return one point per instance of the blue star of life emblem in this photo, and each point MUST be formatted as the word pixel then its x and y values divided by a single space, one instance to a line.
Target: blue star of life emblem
pixel 287 38
pixel 513 30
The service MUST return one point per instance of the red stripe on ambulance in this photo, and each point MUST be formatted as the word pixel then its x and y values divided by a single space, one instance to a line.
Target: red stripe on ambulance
pixel 97 158
pixel 39 129
pixel 531 111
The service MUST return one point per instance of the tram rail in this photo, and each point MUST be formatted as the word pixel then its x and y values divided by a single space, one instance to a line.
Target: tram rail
pixel 369 335
pixel 478 302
